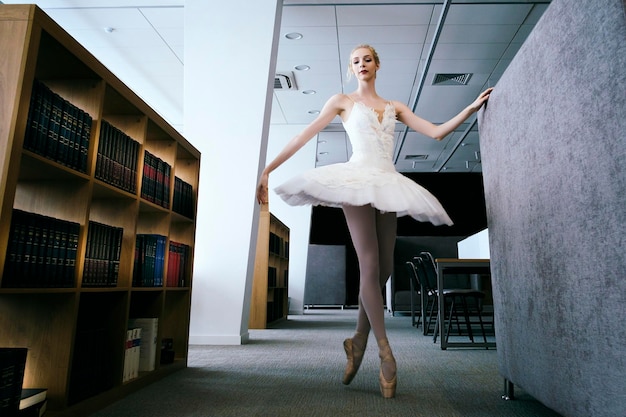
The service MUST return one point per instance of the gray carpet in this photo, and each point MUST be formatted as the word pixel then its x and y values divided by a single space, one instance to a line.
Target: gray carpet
pixel 295 368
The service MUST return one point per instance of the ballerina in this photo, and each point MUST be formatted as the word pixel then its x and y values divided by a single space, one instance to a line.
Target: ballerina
pixel 371 193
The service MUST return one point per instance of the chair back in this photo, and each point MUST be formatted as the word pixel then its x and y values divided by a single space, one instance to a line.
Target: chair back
pixel 430 270
pixel 413 276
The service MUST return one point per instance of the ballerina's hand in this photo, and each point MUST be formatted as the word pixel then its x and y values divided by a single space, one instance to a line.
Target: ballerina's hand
pixel 482 98
pixel 261 190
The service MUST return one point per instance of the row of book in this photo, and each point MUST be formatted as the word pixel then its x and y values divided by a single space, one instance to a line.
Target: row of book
pixel 60 131
pixel 148 346
pixel 116 161
pixel 15 399
pixel 272 278
pixel 178 259
pixel 141 347
pixel 12 366
pixel 41 252
pixel 276 309
pixel 278 245
pixel 183 198
pixel 155 185
pixel 102 255
pixel 57 129
pixel 149 260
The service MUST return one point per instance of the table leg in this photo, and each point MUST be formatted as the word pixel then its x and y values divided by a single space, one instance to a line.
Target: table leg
pixel 441 308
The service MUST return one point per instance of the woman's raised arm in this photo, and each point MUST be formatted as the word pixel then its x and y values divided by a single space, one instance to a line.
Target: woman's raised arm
pixel 438 132
pixel 333 107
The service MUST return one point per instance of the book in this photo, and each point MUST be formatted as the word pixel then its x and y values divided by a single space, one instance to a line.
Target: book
pixel 32 396
pixel 135 352
pixel 131 354
pixel 128 344
pixel 35 410
pixel 12 366
pixel 149 333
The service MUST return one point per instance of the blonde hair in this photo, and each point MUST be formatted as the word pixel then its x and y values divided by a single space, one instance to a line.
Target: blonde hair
pixel 366 46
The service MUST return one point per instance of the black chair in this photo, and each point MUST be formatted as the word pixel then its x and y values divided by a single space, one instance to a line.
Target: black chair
pixel 416 288
pixel 467 299
pixel 428 297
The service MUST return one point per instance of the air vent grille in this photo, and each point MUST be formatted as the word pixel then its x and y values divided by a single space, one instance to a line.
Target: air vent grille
pixel 451 79
pixel 416 157
pixel 284 81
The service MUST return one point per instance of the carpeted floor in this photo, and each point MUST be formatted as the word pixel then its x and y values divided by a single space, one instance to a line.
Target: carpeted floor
pixel 295 369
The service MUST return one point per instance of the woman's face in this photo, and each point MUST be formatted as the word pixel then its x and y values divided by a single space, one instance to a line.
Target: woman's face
pixel 363 63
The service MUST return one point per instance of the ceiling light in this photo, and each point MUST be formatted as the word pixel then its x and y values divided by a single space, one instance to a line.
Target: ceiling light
pixel 302 67
pixel 293 36
pixel 309 92
pixel 109 29
pixel 314 112
pixel 323 153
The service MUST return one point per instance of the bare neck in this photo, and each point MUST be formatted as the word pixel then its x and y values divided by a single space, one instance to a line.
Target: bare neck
pixel 367 90
pixel 366 93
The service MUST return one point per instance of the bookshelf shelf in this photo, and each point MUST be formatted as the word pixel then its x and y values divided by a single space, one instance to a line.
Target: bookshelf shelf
pixel 271 269
pixel 75 140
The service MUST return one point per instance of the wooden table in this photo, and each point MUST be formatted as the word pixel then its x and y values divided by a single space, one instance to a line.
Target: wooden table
pixel 457 266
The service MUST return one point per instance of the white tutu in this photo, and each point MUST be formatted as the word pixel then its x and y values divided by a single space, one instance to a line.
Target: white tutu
pixel 368 178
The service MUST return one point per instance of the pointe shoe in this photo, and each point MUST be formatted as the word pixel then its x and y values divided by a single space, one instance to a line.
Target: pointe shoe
pixel 387 387
pixel 355 357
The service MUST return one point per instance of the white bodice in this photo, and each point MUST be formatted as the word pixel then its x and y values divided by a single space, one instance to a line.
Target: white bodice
pixel 372 141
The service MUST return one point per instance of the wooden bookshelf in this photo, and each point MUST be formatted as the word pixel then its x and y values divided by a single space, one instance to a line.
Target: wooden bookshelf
pixel 75 330
pixel 270 301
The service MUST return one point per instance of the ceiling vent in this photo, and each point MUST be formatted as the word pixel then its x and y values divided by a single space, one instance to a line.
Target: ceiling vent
pixel 284 81
pixel 416 157
pixel 451 79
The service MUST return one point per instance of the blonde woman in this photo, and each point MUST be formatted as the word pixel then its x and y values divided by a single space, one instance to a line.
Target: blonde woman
pixel 371 193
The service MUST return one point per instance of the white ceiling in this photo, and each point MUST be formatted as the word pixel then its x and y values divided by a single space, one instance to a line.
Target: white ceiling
pixel 145 50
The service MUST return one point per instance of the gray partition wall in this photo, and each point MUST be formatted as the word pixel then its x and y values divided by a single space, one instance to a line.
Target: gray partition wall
pixel 325 283
pixel 553 146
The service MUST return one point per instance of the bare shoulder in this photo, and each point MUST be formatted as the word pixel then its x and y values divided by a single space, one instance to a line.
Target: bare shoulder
pixel 340 101
pixel 402 110
pixel 399 106
pixel 338 104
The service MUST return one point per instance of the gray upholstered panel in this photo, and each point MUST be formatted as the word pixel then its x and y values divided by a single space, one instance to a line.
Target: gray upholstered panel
pixel 553 146
pixel 325 282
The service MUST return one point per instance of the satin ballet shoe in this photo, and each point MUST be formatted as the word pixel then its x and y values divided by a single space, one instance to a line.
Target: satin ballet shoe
pixel 355 357
pixel 387 387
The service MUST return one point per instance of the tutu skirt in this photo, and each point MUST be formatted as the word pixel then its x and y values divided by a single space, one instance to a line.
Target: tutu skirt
pixel 356 184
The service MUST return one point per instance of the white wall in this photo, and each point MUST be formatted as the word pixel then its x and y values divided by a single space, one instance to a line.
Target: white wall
pixel 475 246
pixel 222 115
